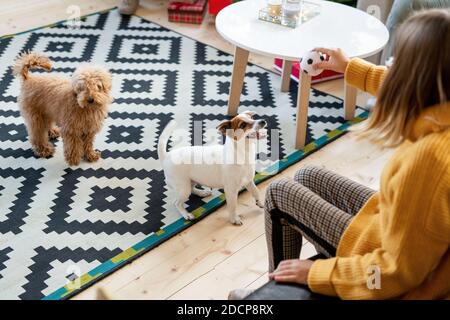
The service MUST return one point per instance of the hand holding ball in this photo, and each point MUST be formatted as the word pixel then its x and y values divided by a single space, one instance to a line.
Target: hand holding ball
pixel 308 60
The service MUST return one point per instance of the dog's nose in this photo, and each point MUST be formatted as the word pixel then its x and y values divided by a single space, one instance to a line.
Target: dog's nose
pixel 262 123
pixel 90 100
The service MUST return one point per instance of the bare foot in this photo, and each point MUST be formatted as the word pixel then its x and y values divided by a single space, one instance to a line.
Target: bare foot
pixel 54 133
pixel 44 151
pixel 93 155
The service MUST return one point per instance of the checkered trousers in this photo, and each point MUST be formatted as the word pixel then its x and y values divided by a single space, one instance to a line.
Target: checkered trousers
pixel 318 205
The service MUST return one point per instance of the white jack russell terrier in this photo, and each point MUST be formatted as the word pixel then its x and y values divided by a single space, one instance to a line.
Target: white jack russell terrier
pixel 230 166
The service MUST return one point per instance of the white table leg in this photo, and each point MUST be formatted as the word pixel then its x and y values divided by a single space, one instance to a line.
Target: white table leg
pixel 304 88
pixel 350 94
pixel 237 79
pixel 286 75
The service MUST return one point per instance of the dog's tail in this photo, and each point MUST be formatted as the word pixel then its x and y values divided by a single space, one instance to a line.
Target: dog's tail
pixel 31 60
pixel 164 138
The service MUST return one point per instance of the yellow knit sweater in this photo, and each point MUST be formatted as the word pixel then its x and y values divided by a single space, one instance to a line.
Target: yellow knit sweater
pixel 403 231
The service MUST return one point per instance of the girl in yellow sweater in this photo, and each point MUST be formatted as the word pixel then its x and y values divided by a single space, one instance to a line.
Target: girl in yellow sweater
pixel 393 243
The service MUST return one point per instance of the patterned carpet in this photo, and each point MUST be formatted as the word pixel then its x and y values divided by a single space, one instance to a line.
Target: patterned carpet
pixel 62 228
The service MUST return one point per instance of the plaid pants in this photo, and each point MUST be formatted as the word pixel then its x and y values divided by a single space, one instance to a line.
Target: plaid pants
pixel 318 205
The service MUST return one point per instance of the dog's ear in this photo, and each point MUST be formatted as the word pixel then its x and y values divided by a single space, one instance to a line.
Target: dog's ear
pixel 104 79
pixel 78 85
pixel 224 126
pixel 250 113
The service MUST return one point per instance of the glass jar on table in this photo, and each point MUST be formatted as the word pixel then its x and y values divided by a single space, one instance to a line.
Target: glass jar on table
pixel 291 12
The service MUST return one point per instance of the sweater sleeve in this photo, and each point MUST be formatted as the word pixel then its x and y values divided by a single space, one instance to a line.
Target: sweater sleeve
pixel 410 249
pixel 365 76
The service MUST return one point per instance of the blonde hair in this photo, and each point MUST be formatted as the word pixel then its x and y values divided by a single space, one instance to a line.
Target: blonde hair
pixel 418 79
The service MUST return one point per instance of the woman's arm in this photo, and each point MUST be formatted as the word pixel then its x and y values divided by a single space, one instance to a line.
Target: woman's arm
pixel 365 76
pixel 358 73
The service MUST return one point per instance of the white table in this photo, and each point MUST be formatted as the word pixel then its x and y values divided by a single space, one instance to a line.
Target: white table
pixel 337 26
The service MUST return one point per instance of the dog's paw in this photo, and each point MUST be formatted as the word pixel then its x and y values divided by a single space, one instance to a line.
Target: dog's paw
pixel 73 161
pixel 93 156
pixel 189 217
pixel 236 221
pixel 45 151
pixel 202 193
pixel 54 133
pixel 260 203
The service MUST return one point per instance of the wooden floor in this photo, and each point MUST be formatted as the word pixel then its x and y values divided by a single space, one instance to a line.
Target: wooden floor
pixel 212 257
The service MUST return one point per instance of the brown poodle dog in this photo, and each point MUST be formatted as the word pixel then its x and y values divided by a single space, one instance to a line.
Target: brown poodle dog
pixel 78 106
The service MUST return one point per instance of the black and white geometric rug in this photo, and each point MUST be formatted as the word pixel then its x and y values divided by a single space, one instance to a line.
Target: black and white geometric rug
pixel 62 228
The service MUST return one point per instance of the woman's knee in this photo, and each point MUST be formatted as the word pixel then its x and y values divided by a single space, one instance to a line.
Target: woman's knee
pixel 274 192
pixel 285 195
pixel 307 174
